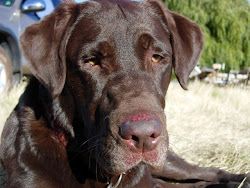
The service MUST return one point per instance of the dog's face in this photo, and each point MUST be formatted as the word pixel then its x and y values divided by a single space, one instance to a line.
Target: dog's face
pixel 115 59
pixel 125 69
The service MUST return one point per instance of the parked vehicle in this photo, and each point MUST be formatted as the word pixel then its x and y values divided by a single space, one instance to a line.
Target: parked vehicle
pixel 15 16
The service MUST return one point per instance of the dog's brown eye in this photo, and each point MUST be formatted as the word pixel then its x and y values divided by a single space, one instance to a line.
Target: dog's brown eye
pixel 92 61
pixel 156 58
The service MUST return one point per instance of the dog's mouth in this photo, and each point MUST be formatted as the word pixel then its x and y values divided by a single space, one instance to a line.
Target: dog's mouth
pixel 139 139
pixel 144 139
pixel 121 159
pixel 136 156
pixel 132 160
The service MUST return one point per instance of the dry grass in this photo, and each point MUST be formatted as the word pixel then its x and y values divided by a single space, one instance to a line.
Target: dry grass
pixel 209 126
pixel 8 102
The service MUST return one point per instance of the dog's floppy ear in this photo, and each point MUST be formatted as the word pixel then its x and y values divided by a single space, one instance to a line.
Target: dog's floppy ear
pixel 186 39
pixel 43 46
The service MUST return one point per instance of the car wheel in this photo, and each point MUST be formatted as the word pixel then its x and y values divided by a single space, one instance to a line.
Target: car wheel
pixel 5 71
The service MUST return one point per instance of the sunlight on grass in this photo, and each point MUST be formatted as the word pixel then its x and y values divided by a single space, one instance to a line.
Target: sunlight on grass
pixel 8 101
pixel 210 126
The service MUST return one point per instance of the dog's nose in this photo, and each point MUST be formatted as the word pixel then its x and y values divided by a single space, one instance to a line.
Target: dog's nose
pixel 141 135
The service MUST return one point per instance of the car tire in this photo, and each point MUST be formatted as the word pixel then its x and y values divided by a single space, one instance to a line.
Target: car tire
pixel 6 76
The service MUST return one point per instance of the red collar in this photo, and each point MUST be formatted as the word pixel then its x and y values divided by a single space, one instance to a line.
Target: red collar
pixel 61 136
pixel 61 132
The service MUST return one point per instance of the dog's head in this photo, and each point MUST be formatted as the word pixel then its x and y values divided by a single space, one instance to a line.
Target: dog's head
pixel 114 58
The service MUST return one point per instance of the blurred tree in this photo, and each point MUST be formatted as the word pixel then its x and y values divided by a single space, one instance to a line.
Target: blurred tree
pixel 225 24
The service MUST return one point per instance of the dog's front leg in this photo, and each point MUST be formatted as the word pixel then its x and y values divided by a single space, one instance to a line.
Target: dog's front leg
pixel 178 170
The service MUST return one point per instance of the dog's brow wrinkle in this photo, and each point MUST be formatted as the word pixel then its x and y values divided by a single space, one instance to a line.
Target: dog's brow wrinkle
pixel 123 13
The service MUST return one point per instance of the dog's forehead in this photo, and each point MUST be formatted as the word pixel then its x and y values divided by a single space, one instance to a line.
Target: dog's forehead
pixel 115 18
pixel 118 22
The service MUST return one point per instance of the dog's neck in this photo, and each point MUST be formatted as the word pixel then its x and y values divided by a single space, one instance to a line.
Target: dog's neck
pixel 114 182
pixel 139 176
pixel 55 116
pixel 110 183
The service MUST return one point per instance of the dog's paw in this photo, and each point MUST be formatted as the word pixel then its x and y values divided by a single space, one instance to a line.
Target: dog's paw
pixel 224 177
pixel 222 185
pixel 242 178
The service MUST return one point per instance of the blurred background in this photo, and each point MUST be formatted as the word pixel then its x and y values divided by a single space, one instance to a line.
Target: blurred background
pixel 225 24
pixel 209 124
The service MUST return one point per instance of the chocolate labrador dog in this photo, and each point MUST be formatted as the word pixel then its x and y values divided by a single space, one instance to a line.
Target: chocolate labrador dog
pixel 93 115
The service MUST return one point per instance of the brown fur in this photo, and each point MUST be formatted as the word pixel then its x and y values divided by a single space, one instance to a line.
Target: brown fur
pixel 95 107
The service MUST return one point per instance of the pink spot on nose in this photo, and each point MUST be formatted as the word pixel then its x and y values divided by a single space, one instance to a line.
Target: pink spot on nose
pixel 140 117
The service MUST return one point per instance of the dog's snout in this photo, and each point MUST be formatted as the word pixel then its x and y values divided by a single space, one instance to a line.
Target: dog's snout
pixel 141 134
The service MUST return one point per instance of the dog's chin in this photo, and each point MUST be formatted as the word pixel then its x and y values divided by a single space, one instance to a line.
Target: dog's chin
pixel 129 160
pixel 120 159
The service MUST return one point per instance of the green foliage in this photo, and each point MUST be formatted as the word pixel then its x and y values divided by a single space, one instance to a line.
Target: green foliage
pixel 225 24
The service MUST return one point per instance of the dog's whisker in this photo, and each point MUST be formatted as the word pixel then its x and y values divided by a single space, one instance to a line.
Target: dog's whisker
pixel 78 151
pixel 86 142
pixel 90 154
pixel 96 166
pixel 95 144
pixel 173 147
